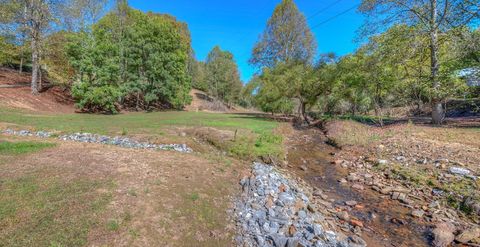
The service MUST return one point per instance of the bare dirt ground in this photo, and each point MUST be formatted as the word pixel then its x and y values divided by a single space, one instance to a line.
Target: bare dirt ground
pixel 156 198
pixel 17 94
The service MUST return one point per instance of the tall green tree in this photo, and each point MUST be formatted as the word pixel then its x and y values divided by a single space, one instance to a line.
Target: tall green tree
pixel 198 73
pixel 222 76
pixel 433 19
pixel 286 38
pixel 134 59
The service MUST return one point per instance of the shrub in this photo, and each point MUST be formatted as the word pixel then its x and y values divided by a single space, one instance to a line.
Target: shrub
pixel 96 99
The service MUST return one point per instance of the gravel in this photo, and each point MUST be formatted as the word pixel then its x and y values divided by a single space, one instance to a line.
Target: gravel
pixel 108 140
pixel 274 212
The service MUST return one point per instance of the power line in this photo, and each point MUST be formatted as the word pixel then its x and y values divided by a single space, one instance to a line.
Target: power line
pixel 335 16
pixel 324 9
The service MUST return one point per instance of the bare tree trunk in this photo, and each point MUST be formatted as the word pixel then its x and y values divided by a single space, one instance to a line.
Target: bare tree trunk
pixel 40 81
pixel 22 48
pixel 34 66
pixel 21 62
pixel 437 108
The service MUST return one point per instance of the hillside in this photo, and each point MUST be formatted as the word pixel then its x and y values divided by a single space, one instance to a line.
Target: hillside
pixel 201 101
pixel 15 92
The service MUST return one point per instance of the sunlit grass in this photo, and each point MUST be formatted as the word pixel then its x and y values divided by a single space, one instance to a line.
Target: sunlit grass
pixel 16 148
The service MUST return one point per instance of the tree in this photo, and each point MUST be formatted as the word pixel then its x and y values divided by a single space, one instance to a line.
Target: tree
pixel 222 76
pixel 198 72
pixel 432 17
pixel 134 59
pixel 280 87
pixel 286 38
pixel 32 21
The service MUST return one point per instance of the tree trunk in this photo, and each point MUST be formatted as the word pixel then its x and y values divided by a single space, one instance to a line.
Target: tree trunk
pixel 21 62
pixel 437 108
pixel 34 66
pixel 302 111
pixel 40 81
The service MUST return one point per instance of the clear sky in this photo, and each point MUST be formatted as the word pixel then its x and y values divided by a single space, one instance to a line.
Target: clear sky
pixel 236 25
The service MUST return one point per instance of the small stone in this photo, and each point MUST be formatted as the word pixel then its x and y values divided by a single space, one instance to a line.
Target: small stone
pixel 351 203
pixel 434 204
pixel 358 187
pixel 338 162
pixel 382 162
pixel 356 223
pixel 279 240
pixel 343 215
pixel 468 235
pixel 293 242
pixel 292 230
pixel 311 208
pixel 352 177
pixel 443 234
pixel 303 168
pixel 386 190
pixel 395 195
pixel 302 214
pixel 418 213
pixel 459 171
pixel 356 241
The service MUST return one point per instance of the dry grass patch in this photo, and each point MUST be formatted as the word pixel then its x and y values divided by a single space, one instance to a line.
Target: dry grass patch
pixel 86 194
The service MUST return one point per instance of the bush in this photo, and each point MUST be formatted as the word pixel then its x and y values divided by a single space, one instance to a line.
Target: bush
pixel 96 99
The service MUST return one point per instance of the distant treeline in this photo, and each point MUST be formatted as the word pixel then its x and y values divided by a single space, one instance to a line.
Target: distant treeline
pixel 412 54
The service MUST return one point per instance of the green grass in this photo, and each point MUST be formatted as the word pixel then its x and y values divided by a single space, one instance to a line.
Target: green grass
pixel 259 140
pixel 36 211
pixel 133 123
pixel 265 144
pixel 17 148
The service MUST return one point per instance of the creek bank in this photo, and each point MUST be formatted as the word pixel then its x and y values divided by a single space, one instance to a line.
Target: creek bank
pixel 432 175
pixel 277 211
pixel 101 139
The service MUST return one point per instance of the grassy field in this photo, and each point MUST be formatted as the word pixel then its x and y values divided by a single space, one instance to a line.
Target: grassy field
pixel 255 135
pixel 134 123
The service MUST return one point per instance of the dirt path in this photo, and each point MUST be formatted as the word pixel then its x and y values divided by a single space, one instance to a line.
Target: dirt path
pixel 385 222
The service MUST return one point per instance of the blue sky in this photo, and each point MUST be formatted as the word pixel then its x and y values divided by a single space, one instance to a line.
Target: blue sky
pixel 236 25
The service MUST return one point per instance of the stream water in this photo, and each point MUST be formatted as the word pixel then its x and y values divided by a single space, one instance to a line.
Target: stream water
pixel 386 222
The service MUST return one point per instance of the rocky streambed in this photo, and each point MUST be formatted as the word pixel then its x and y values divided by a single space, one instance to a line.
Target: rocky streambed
pixel 124 142
pixel 276 211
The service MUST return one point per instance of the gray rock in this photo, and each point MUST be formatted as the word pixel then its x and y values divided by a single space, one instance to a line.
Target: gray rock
pixel 469 234
pixel 418 213
pixel 93 138
pixel 279 240
pixel 356 241
pixel 351 203
pixel 459 171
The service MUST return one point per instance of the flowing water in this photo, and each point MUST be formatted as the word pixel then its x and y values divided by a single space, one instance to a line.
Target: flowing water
pixel 386 222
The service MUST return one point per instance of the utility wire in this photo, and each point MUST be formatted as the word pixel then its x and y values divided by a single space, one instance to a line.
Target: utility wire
pixel 324 9
pixel 335 16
